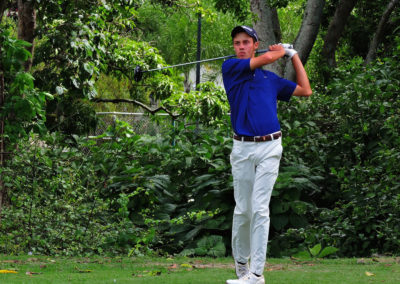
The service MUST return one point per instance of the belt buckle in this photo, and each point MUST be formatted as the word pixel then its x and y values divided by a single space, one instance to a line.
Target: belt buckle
pixel 255 138
pixel 240 138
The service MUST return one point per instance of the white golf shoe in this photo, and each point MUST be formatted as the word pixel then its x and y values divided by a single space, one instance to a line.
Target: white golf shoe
pixel 241 269
pixel 249 278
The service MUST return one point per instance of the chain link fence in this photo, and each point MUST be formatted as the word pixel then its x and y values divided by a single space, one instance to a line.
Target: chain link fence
pixel 141 123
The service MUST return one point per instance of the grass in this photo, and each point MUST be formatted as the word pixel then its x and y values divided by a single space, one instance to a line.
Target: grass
pixel 43 269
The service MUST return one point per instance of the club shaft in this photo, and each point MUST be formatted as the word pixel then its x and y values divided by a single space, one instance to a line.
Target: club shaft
pixel 199 61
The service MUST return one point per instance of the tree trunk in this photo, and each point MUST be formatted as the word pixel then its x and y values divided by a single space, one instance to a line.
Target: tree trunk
pixel 276 25
pixel 335 30
pixel 3 7
pixel 26 26
pixel 379 31
pixel 266 27
pixel 307 35
pixel 268 30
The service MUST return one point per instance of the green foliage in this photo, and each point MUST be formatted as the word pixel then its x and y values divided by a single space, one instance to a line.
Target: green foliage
pixel 338 185
pixel 79 41
pixel 13 52
pixel 174 32
pixel 290 18
pixel 369 185
pixel 240 8
pixel 279 3
pixel 207 246
pixel 354 147
pixel 56 204
pixel 361 27
pixel 112 87
pixel 68 116
pixel 23 109
pixel 177 184
pixel 208 105
pixel 288 205
pixel 133 193
pixel 140 194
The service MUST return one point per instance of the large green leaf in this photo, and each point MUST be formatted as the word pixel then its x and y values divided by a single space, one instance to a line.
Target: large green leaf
pixel 279 221
pixel 298 221
pixel 279 206
pixel 327 251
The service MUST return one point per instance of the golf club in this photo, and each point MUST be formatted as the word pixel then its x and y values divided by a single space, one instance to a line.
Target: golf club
pixel 138 72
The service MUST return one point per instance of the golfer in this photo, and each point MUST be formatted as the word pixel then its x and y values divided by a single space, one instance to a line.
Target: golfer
pixel 253 93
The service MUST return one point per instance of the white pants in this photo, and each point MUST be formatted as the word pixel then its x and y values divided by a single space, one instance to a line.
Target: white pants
pixel 255 167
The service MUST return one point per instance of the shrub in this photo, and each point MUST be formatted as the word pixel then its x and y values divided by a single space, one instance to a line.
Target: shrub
pixel 356 153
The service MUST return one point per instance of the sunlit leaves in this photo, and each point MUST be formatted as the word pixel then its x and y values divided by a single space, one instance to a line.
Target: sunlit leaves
pixel 208 105
pixel 24 105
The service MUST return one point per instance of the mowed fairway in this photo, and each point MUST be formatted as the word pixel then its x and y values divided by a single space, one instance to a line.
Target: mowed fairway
pixel 43 269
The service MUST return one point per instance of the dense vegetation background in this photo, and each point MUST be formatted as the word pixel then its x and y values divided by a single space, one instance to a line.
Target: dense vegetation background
pixel 122 192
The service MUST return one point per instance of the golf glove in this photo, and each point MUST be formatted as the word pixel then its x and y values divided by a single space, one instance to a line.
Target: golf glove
pixel 289 50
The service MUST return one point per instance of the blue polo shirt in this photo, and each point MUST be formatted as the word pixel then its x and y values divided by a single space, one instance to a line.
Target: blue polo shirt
pixel 253 96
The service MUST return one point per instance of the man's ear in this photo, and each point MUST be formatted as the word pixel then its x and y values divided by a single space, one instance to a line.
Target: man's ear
pixel 256 44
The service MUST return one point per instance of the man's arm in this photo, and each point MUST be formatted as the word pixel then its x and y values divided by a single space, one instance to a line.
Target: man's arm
pixel 303 88
pixel 275 52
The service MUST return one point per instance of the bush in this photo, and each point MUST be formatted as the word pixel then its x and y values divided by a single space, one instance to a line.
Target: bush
pixel 355 147
pixel 55 206
pixel 366 217
pixel 178 184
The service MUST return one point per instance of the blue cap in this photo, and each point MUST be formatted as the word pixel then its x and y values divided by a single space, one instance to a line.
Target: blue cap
pixel 250 31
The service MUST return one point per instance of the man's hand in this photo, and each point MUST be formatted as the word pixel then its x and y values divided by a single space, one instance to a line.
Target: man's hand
pixel 289 50
pixel 275 52
pixel 276 47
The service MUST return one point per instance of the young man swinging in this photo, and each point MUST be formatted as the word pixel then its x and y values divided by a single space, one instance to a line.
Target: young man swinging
pixel 253 93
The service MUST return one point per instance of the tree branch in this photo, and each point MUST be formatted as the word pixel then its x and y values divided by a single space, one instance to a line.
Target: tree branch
pixel 267 29
pixel 307 34
pixel 335 29
pixel 135 102
pixel 379 31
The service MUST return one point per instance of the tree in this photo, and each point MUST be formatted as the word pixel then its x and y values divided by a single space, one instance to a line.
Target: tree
pixel 308 33
pixel 26 26
pixel 266 23
pixel 267 27
pixel 75 42
pixel 343 29
pixel 305 38
pixel 79 41
pixel 335 29
pixel 379 31
pixel 21 103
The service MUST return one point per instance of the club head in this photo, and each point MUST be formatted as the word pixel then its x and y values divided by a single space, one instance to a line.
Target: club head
pixel 137 73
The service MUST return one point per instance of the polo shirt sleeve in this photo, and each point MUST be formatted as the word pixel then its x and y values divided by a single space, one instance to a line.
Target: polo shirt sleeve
pixel 286 89
pixel 235 71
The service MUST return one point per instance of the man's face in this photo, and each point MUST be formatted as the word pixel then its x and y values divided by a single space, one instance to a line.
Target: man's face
pixel 244 45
